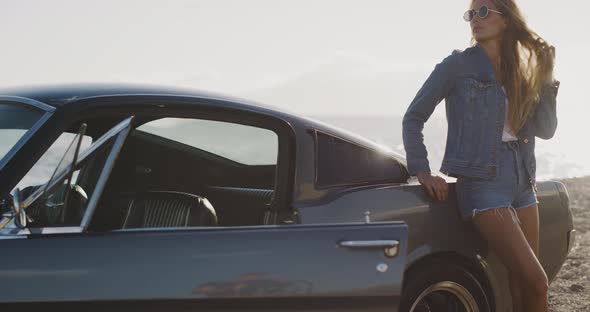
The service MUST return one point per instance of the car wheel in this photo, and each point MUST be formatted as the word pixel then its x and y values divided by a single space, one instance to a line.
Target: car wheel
pixel 442 287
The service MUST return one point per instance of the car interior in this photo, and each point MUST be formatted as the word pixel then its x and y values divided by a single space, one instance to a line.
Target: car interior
pixel 158 182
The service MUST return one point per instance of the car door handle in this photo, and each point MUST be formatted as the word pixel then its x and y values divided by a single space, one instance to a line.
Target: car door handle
pixel 391 247
pixel 369 243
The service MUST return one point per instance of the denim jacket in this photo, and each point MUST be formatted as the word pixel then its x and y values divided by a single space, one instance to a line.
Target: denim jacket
pixel 475 108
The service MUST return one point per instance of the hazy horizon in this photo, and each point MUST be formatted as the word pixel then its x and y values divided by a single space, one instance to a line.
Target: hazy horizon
pixel 317 58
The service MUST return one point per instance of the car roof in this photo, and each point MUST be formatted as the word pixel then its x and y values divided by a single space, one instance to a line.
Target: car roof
pixel 66 95
pixel 58 95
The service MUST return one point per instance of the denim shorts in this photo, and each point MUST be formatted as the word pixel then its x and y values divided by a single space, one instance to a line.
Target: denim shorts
pixel 510 188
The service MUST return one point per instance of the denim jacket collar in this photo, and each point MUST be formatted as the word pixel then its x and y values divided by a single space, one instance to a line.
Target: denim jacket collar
pixel 484 60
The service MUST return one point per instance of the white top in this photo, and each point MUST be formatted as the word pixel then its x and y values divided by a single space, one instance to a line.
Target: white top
pixel 507 134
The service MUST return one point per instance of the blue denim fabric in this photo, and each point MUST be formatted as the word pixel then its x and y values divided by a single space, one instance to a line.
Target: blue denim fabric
pixel 510 189
pixel 475 108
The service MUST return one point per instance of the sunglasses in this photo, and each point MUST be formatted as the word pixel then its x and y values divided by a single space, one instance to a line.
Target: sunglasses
pixel 482 12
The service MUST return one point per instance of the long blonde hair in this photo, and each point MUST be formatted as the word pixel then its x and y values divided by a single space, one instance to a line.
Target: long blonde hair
pixel 526 63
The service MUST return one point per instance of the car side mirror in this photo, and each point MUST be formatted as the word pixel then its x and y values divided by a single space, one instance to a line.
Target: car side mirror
pixel 19 214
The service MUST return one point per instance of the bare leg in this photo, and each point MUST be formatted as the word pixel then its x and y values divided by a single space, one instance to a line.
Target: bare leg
pixel 505 237
pixel 515 292
pixel 529 224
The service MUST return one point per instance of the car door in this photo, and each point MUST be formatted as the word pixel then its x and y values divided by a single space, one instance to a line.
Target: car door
pixel 320 267
pixel 325 267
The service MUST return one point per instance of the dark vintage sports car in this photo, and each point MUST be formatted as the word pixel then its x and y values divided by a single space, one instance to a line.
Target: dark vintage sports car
pixel 153 198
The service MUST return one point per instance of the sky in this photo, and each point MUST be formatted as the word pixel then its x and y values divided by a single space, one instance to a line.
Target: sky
pixel 315 57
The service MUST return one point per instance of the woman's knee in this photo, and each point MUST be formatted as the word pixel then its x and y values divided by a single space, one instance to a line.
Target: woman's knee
pixel 541 286
pixel 537 285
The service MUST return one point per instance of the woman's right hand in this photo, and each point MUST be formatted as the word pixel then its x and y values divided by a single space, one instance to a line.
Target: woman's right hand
pixel 435 186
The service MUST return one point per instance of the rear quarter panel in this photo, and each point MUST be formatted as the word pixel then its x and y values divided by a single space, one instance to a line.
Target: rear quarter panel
pixel 555 220
pixel 436 228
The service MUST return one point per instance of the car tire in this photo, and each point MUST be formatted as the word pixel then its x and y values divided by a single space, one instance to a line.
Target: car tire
pixel 443 286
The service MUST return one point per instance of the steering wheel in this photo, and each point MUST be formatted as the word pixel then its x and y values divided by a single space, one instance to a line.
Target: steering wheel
pixel 75 202
pixel 63 207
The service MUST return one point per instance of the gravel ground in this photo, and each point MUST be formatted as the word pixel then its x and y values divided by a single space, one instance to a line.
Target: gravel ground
pixel 570 292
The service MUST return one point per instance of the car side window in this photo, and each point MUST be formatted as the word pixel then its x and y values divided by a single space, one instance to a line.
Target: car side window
pixel 241 143
pixel 188 172
pixel 53 213
pixel 45 166
pixel 340 162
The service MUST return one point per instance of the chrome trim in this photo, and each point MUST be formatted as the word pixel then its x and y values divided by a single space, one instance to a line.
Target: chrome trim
pixel 391 252
pixel 107 136
pixel 56 230
pixel 9 226
pixel 187 228
pixel 455 289
pixel 122 130
pixel 16 232
pixel 24 100
pixel 367 216
pixel 7 217
pixel 369 244
pixel 390 247
pixel 571 240
pixel 382 267
pixel 12 237
pixel 60 175
pixel 17 207
pixel 19 144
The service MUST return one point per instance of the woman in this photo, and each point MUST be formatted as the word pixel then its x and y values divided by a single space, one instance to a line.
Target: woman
pixel 500 94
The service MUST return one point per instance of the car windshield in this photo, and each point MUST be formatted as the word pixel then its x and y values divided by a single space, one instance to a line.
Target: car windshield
pixel 15 121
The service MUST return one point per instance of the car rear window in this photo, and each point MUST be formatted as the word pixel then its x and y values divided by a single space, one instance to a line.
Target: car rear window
pixel 340 162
